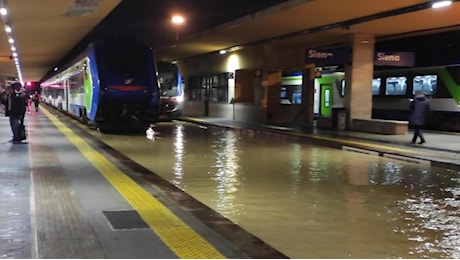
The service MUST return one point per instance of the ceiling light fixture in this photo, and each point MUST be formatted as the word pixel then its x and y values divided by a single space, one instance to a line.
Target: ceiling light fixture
pixel 440 4
pixel 9 32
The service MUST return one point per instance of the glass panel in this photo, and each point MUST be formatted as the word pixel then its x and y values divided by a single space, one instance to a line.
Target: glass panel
pixel 327 98
pixel 425 83
pixel 396 86
pixel 376 83
pixel 291 87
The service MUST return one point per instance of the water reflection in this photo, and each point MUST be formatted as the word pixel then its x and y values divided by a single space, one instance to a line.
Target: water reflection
pixel 295 176
pixel 179 150
pixel 226 169
pixel 433 214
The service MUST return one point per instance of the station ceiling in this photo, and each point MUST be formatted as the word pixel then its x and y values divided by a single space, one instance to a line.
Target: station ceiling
pixel 46 30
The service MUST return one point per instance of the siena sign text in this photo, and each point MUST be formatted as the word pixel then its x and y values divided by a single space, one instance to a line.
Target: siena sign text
pixel 319 55
pixel 399 59
pixel 324 57
pixel 385 57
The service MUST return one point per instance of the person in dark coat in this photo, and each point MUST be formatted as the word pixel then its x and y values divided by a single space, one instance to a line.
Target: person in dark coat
pixel 36 100
pixel 15 108
pixel 420 108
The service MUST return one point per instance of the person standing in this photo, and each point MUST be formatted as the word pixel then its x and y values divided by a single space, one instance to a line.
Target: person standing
pixel 15 108
pixel 420 109
pixel 36 100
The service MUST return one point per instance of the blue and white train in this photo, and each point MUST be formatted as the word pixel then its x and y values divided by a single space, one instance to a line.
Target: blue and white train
pixel 113 85
pixel 172 90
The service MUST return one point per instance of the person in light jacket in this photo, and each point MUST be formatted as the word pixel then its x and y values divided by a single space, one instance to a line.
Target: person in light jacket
pixel 420 108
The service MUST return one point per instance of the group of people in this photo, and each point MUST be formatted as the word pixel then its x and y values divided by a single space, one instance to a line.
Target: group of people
pixel 15 103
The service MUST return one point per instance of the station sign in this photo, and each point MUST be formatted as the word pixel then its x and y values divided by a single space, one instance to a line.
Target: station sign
pixel 328 57
pixel 325 57
pixel 397 59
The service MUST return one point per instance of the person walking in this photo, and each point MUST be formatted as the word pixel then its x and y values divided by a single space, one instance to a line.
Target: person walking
pixel 15 108
pixel 36 100
pixel 420 109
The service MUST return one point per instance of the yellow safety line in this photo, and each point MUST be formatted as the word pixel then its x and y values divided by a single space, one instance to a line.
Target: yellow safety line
pixel 184 241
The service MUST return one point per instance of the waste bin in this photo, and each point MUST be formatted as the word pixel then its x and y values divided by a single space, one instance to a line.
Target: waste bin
pixel 339 118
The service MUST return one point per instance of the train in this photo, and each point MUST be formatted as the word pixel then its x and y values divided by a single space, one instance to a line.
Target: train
pixel 172 90
pixel 112 85
pixel 393 90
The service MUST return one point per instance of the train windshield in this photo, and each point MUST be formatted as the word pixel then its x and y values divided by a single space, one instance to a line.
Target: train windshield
pixel 124 61
pixel 170 79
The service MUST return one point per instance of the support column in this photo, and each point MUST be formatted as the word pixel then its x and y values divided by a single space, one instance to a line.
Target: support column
pixel 308 92
pixel 358 75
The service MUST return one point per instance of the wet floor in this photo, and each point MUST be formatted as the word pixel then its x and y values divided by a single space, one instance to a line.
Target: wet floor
pixel 308 201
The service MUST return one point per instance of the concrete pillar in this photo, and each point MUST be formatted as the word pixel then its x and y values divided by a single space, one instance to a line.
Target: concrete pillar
pixel 358 75
pixel 308 92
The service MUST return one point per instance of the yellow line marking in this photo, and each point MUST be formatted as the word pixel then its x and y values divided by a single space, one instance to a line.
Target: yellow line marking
pixel 180 238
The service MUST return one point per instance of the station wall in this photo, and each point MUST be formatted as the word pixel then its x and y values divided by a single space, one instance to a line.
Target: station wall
pixel 253 83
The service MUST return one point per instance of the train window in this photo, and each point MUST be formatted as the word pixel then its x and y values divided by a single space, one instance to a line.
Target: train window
pixel 126 62
pixel 342 87
pixel 376 83
pixel 396 86
pixel 327 98
pixel 291 87
pixel 425 83
pixel 283 93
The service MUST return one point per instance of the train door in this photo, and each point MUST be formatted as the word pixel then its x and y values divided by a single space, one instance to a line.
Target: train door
pixel 326 98
pixel 329 93
pixel 323 99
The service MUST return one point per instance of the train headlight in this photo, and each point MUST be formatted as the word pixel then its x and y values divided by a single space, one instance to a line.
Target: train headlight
pixel 180 98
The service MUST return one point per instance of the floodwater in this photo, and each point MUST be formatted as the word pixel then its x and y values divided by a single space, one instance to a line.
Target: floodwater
pixel 308 201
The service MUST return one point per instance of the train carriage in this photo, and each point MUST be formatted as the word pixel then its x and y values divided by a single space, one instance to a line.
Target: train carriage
pixel 393 90
pixel 172 90
pixel 113 84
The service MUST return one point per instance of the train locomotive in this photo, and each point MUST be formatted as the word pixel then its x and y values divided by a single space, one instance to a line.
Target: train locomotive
pixel 172 90
pixel 112 85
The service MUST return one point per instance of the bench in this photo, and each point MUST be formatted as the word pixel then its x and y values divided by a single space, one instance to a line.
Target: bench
pixel 381 126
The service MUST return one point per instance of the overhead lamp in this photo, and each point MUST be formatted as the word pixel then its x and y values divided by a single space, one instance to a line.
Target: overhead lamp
pixel 177 21
pixel 440 3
